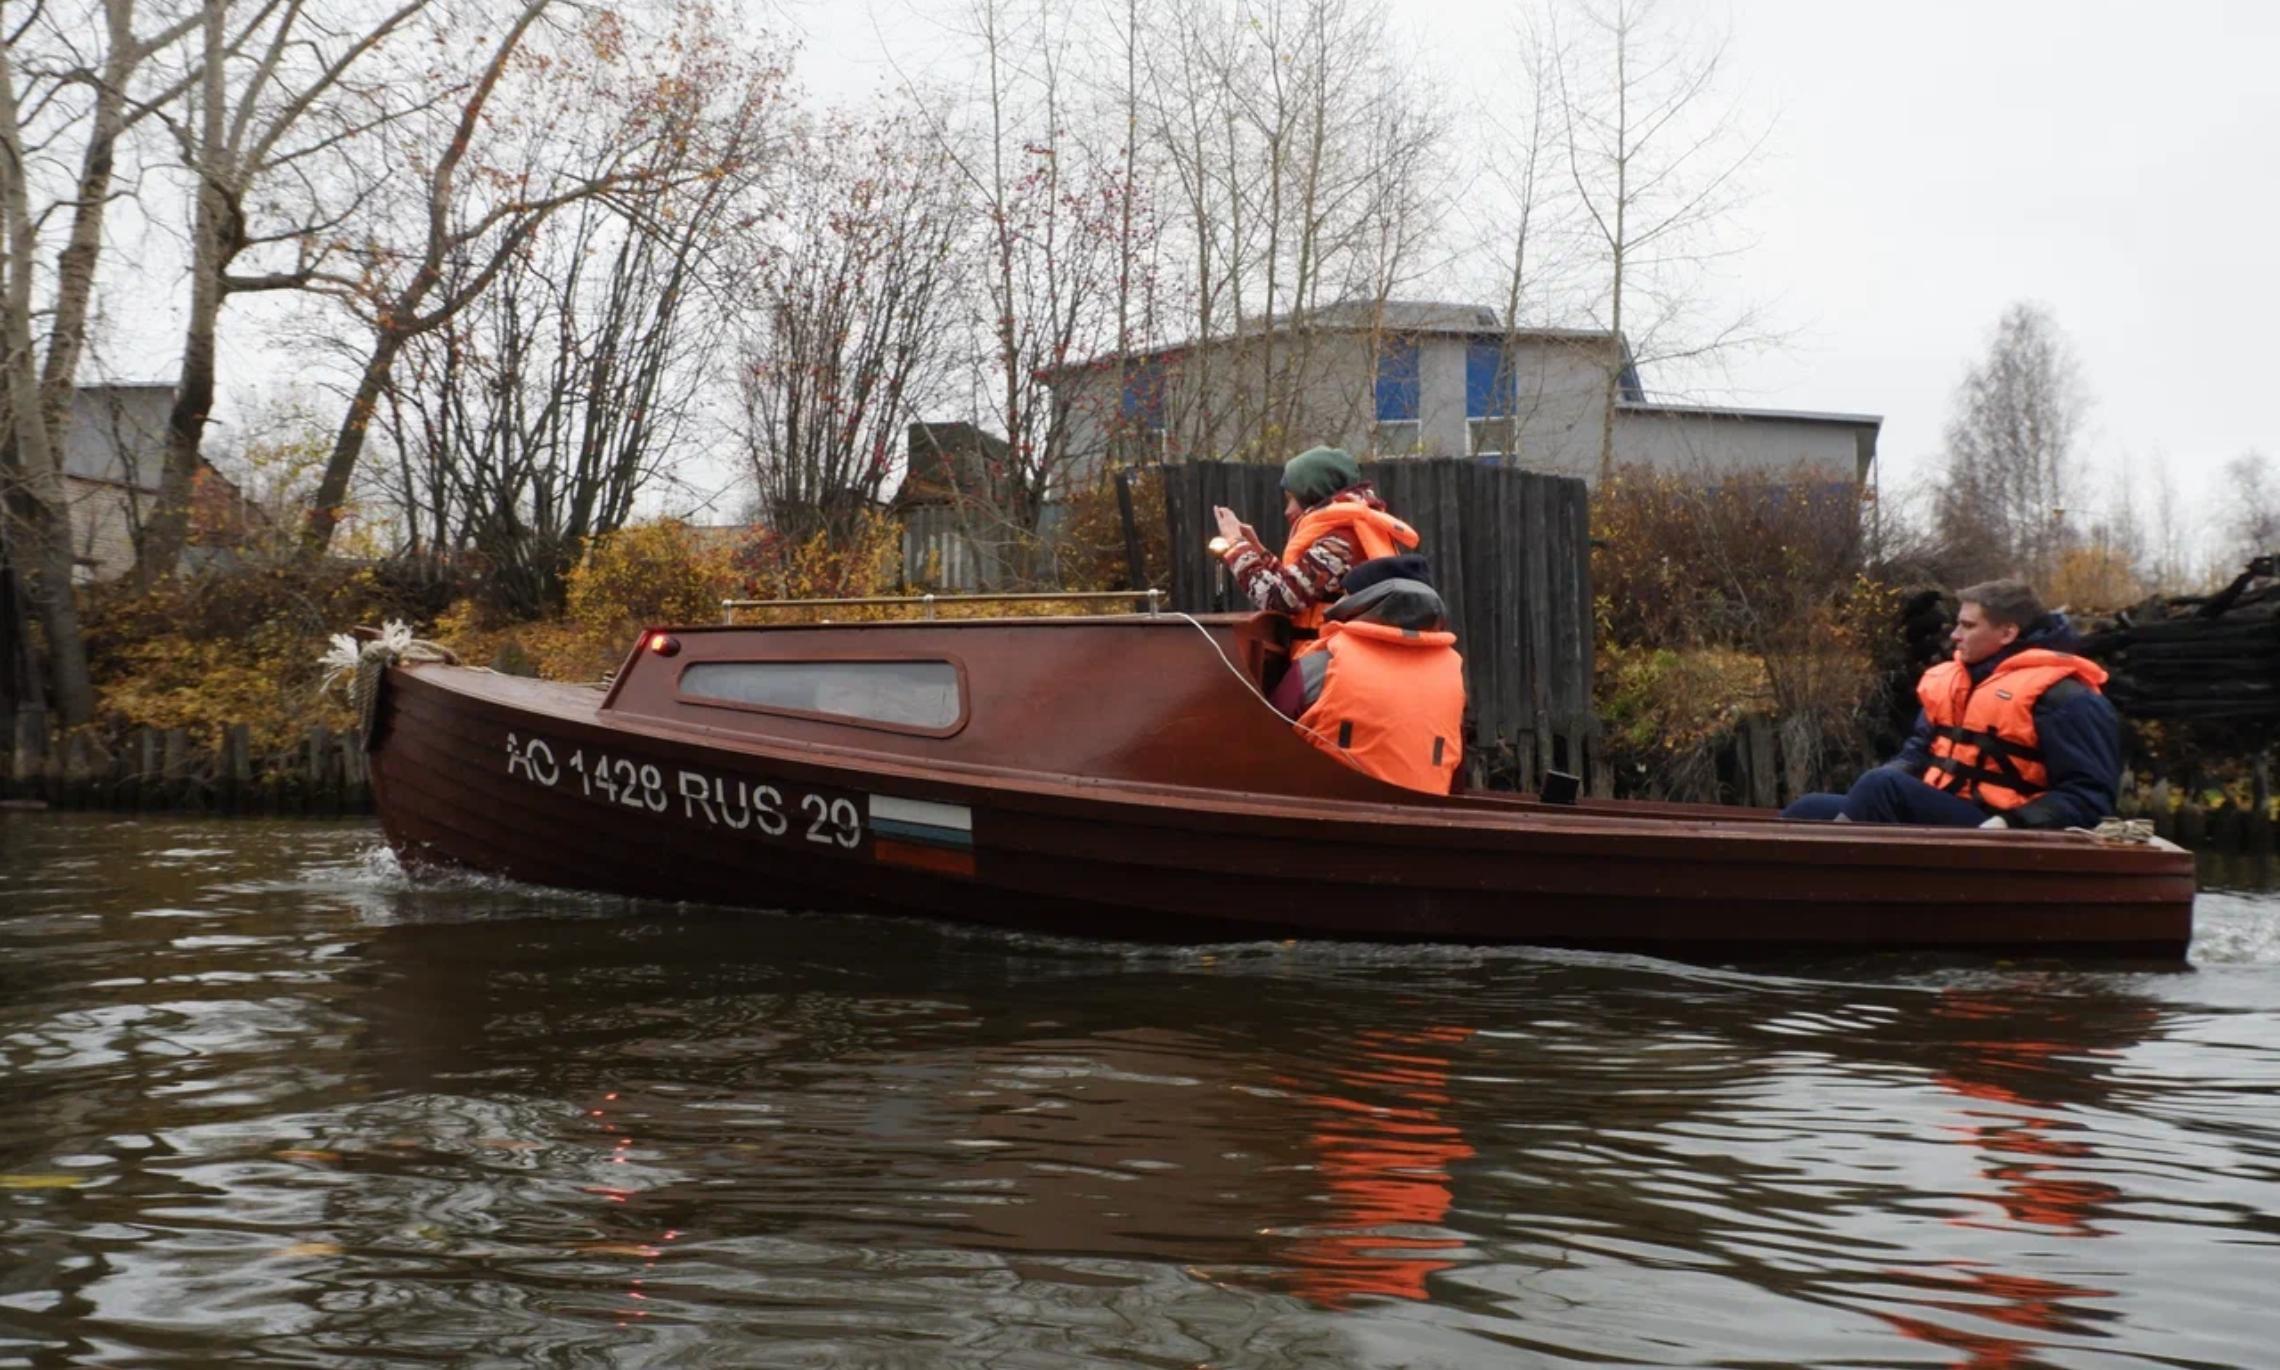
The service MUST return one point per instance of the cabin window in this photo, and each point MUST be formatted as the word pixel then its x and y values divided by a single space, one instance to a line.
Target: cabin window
pixel 898 694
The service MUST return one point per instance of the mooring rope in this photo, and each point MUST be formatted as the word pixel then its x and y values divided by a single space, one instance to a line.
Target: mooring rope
pixel 1237 672
pixel 361 664
pixel 2132 830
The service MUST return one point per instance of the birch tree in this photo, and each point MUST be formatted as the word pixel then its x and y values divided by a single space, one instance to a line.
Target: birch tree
pixel 1043 289
pixel 1309 166
pixel 74 83
pixel 2012 468
pixel 2251 483
pixel 1656 157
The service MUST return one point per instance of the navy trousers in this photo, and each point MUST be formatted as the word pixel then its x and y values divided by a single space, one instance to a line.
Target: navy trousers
pixel 1889 796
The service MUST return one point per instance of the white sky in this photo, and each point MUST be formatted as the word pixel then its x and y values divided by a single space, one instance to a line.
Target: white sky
pixel 1932 162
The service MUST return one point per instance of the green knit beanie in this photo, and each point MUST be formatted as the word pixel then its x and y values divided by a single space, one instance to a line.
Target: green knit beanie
pixel 1317 473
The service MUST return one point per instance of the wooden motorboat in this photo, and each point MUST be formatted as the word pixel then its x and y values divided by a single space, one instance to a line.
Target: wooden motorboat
pixel 1122 777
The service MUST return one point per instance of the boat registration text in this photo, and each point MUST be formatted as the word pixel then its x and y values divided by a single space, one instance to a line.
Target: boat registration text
pixel 905 832
pixel 824 818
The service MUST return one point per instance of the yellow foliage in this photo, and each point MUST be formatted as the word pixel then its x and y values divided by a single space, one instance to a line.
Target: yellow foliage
pixel 2093 578
pixel 239 645
pixel 242 645
pixel 558 649
pixel 864 564
pixel 1092 555
pixel 1660 698
pixel 651 574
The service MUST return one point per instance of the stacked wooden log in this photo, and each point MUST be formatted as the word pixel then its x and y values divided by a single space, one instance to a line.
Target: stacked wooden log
pixel 2197 659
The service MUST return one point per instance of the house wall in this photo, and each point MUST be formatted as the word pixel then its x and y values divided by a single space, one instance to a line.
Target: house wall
pixel 104 517
pixel 117 432
pixel 114 445
pixel 1558 388
pixel 1559 385
pixel 1715 444
pixel 1211 394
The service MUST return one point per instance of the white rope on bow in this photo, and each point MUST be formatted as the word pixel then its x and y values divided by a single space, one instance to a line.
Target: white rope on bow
pixel 2129 830
pixel 360 664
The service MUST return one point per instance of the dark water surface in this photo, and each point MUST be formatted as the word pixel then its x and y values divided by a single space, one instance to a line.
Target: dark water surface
pixel 267 1101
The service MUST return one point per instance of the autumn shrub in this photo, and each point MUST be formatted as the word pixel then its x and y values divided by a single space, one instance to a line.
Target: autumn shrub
pixel 2092 578
pixel 1090 549
pixel 861 560
pixel 651 573
pixel 1667 712
pixel 1693 578
pixel 236 642
pixel 645 574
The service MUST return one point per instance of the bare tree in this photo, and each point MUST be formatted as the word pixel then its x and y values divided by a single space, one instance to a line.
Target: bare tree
pixel 64 114
pixel 273 99
pixel 849 307
pixel 1656 163
pixel 528 423
pixel 550 118
pixel 1049 205
pixel 1310 171
pixel 2252 486
pixel 2011 463
pixel 1528 220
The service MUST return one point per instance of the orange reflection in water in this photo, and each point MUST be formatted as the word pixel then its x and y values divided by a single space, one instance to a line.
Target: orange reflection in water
pixel 2025 1147
pixel 1383 1153
pixel 2006 1063
pixel 2020 1301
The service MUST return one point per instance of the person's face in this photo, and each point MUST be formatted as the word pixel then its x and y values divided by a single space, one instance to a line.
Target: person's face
pixel 1293 511
pixel 1977 639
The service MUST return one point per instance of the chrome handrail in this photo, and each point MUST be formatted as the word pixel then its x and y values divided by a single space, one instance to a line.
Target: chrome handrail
pixel 927 603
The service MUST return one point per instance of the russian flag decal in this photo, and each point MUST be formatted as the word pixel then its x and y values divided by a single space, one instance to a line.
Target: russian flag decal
pixel 922 834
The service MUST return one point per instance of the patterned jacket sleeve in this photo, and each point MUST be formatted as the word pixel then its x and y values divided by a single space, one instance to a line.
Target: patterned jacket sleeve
pixel 1281 589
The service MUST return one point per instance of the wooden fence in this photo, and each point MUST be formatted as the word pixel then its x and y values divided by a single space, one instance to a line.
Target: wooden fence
pixel 1511 555
pixel 173 770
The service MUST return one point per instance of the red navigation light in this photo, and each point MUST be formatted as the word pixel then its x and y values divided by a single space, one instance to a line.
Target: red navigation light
pixel 664 644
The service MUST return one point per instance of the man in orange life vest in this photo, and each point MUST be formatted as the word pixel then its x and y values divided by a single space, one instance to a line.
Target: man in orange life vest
pixel 1337 522
pixel 1386 692
pixel 2013 733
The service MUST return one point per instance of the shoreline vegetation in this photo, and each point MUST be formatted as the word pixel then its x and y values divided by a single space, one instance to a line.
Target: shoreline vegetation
pixel 1746 655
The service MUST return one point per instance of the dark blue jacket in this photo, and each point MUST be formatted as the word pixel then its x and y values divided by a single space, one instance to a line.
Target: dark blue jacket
pixel 2078 731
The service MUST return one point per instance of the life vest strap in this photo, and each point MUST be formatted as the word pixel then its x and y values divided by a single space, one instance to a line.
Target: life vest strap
pixel 1961 773
pixel 1990 742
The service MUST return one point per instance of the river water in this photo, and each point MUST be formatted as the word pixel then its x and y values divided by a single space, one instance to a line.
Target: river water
pixel 267 1100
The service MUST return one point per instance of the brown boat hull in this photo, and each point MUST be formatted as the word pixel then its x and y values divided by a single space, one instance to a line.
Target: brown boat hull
pixel 680 814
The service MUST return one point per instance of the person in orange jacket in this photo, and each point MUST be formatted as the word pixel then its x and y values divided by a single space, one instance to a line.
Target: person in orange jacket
pixel 1386 692
pixel 2014 731
pixel 1337 522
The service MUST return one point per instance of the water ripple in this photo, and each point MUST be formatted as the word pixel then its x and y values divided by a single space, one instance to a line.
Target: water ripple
pixel 276 1099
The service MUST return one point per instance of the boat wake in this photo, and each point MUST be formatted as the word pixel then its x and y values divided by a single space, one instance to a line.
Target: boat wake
pixel 376 885
pixel 2233 928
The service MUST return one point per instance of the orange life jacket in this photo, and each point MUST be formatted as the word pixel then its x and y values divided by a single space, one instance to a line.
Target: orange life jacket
pixel 1377 534
pixel 1984 744
pixel 1392 703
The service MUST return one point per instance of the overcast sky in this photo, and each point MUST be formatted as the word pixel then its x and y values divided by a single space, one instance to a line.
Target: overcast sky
pixel 1932 162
